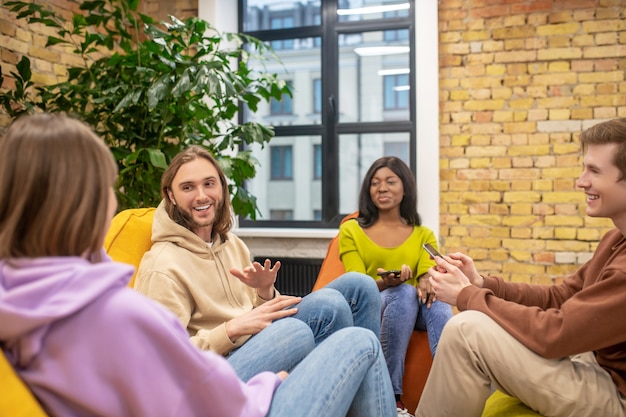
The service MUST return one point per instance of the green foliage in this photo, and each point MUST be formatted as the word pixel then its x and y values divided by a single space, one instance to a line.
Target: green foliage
pixel 151 90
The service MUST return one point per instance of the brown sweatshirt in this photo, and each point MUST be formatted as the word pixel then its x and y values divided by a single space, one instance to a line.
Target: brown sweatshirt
pixel 587 312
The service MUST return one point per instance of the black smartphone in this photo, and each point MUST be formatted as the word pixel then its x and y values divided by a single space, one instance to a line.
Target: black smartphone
pixel 395 272
pixel 431 250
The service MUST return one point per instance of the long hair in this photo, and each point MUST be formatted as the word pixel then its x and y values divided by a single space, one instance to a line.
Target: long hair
pixel 223 219
pixel 368 212
pixel 611 131
pixel 55 181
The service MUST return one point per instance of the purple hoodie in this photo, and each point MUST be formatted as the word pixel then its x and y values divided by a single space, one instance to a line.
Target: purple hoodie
pixel 87 345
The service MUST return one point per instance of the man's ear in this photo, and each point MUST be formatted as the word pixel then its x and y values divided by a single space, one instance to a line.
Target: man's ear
pixel 170 195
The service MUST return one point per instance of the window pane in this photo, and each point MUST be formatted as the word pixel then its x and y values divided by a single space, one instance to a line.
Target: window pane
pixel 299 66
pixel 280 14
pixel 373 9
pixel 357 153
pixel 278 187
pixel 374 78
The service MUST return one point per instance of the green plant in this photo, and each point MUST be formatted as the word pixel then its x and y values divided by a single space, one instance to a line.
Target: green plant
pixel 150 90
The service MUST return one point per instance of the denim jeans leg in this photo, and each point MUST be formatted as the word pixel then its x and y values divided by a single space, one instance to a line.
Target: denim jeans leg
pixel 433 320
pixel 363 297
pixel 344 375
pixel 398 314
pixel 325 311
pixel 278 347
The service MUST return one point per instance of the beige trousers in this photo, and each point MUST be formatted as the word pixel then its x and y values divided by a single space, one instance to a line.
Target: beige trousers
pixel 475 355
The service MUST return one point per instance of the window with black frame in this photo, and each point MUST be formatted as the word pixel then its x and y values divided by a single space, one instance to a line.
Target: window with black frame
pixel 350 64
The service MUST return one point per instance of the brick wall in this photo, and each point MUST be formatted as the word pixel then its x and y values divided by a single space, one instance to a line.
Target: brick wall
pixel 49 64
pixel 518 81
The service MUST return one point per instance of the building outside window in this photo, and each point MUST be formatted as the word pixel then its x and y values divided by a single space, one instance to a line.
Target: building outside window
pixel 282 162
pixel 351 65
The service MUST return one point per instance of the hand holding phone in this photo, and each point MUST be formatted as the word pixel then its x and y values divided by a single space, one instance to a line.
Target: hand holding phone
pixel 395 272
pixel 431 250
pixel 433 254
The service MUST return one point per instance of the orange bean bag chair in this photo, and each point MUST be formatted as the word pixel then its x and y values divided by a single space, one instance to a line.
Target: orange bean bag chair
pixel 418 357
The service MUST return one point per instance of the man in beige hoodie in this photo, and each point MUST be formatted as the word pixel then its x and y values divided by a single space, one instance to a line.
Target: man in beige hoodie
pixel 203 272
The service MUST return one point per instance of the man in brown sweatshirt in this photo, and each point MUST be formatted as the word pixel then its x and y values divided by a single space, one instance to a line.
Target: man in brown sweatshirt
pixel 560 349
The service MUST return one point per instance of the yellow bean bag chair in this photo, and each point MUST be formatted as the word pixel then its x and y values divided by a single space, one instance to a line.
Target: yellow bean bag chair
pixel 501 405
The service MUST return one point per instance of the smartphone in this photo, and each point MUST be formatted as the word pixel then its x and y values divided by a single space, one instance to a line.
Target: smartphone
pixel 395 272
pixel 431 250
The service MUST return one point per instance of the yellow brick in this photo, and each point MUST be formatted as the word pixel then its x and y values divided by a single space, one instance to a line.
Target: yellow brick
pixel 521 209
pixel 559 66
pixel 607 100
pixel 522 221
pixel 588 234
pixel 573 221
pixel 602 77
pixel 482 242
pixel 563 197
pixel 522 103
pixel 521 185
pixel 502 116
pixel 542 185
pixel 567 245
pixel 516 56
pixel 529 150
pixel 478 163
pixel 610 51
pixel 449 37
pixel 496 69
pixel 459 95
pixel 583 40
pixel 459 163
pixel 476 35
pixel 559 53
pixel 558 102
pixel 481 220
pixel 483 151
pixel 501 93
pixel 604 113
pixel 522 31
pixel 460 140
pixel 602 26
pixel 524 245
pixel 559 42
pixel 581 114
pixel 537 67
pixel 556 79
pixel 565 148
pixel 517 174
pixel 522 197
pixel 558 29
pixel 462 117
pixel 559 114
pixel 606 38
pixel 565 233
pixel 514 44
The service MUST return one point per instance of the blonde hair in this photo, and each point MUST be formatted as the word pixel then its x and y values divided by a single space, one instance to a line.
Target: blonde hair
pixel 55 177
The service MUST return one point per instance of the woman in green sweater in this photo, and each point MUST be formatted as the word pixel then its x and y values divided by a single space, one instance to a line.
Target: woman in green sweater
pixel 388 236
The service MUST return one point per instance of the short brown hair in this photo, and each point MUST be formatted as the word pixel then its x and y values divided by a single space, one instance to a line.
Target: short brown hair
pixel 611 131
pixel 55 179
pixel 223 219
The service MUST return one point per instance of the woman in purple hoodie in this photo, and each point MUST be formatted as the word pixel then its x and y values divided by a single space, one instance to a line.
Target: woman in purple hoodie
pixel 88 345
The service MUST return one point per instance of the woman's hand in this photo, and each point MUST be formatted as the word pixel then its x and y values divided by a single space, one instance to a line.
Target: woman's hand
pixel 392 279
pixel 425 291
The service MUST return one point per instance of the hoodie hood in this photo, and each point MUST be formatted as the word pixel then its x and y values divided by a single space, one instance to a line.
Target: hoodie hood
pixel 164 229
pixel 37 293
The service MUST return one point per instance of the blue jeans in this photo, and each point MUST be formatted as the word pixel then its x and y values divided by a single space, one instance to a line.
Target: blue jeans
pixel 344 375
pixel 400 314
pixel 350 300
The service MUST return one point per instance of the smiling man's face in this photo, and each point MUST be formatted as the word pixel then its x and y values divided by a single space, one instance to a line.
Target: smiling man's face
pixel 197 191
